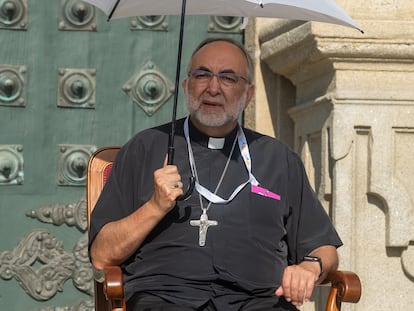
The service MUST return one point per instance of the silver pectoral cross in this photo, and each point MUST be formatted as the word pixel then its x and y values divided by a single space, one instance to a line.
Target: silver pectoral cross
pixel 203 223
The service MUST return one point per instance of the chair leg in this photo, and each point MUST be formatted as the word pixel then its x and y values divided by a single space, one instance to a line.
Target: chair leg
pixel 101 304
pixel 332 304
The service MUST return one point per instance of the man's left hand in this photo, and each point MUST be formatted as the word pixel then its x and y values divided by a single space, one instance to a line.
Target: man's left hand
pixel 298 282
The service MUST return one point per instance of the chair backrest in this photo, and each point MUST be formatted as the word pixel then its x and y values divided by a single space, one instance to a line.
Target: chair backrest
pixel 99 168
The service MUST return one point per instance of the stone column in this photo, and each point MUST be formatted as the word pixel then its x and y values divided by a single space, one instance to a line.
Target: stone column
pixel 351 99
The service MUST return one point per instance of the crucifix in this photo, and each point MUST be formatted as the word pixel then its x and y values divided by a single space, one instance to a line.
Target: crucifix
pixel 203 223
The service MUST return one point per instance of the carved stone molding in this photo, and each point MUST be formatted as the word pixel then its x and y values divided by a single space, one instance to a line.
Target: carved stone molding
pixel 73 214
pixel 312 143
pixel 394 158
pixel 407 261
pixel 364 136
pixel 312 54
pixel 39 263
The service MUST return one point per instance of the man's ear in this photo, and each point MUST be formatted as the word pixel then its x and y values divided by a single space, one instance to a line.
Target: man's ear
pixel 184 84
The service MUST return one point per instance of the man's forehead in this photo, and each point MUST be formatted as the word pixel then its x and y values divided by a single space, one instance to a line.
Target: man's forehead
pixel 219 53
pixel 218 46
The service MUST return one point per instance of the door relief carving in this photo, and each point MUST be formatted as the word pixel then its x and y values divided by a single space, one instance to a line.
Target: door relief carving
pixel 76 88
pixel 41 265
pixel 149 88
pixel 77 15
pixel 11 165
pixel 151 22
pixel 13 14
pixel 39 247
pixel 72 164
pixel 72 214
pixel 12 85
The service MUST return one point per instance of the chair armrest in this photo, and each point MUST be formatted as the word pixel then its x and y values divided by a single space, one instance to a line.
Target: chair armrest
pixel 347 283
pixel 345 287
pixel 113 285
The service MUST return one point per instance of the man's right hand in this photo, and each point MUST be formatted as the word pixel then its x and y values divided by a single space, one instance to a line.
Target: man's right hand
pixel 167 187
pixel 119 239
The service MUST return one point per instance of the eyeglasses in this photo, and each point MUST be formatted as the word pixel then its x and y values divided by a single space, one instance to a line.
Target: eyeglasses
pixel 228 79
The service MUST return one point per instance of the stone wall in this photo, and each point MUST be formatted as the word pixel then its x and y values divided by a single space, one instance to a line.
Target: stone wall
pixel 345 102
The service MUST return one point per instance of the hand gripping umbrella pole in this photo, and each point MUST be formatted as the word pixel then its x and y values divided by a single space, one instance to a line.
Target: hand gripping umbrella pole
pixel 171 149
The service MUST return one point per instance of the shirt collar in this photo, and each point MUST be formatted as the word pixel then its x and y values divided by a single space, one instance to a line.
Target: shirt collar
pixel 202 139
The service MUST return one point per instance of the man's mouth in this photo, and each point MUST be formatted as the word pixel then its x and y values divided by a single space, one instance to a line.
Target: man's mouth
pixel 211 104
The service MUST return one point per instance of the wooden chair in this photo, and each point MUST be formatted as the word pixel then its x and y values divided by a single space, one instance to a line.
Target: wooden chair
pixel 109 293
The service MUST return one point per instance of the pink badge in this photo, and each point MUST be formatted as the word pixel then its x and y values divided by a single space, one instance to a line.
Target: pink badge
pixel 264 192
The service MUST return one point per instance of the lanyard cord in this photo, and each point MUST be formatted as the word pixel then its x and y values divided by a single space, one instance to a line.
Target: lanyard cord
pixel 207 194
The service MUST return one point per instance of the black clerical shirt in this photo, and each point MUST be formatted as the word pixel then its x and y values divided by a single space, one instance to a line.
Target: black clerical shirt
pixel 256 236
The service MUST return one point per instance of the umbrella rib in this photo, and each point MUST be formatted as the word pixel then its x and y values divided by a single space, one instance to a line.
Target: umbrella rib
pixel 113 10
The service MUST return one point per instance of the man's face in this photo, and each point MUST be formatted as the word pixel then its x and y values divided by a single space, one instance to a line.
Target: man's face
pixel 212 103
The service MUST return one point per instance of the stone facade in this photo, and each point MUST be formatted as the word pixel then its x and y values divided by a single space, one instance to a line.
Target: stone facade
pixel 345 102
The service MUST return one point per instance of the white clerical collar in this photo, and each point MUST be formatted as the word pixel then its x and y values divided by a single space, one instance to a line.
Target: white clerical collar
pixel 216 143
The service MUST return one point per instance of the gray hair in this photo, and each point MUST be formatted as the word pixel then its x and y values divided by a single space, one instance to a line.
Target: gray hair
pixel 250 65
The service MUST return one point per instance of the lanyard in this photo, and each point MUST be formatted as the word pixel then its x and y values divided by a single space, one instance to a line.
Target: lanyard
pixel 244 150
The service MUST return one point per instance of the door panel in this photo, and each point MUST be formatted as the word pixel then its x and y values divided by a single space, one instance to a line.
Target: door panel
pixel 71 82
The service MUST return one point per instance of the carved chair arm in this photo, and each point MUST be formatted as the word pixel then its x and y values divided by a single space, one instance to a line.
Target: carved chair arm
pixel 345 287
pixel 113 285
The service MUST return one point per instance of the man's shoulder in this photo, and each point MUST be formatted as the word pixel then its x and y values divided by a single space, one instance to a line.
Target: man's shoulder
pixel 153 133
pixel 255 137
pixel 161 129
pixel 270 145
pixel 152 138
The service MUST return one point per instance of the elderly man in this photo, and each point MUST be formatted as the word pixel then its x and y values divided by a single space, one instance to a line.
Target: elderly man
pixel 252 236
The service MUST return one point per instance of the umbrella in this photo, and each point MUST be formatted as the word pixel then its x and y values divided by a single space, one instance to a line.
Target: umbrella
pixel 308 10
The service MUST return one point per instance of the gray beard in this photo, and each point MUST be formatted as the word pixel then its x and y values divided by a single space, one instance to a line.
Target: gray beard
pixel 214 120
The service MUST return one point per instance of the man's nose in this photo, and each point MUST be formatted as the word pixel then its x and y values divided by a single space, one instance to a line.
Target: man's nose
pixel 214 84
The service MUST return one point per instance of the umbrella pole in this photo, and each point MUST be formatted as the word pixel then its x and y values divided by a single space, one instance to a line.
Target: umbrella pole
pixel 170 156
pixel 170 159
pixel 113 10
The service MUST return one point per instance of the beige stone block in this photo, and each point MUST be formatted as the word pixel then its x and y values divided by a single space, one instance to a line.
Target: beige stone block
pixel 353 125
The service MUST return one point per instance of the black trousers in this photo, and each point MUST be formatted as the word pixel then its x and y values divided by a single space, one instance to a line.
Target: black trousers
pixel 148 302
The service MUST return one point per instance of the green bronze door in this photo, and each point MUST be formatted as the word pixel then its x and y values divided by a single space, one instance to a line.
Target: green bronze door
pixel 71 82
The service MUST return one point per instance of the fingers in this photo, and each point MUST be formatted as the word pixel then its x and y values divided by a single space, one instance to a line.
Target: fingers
pixel 177 184
pixel 167 187
pixel 169 174
pixel 279 292
pixel 297 285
